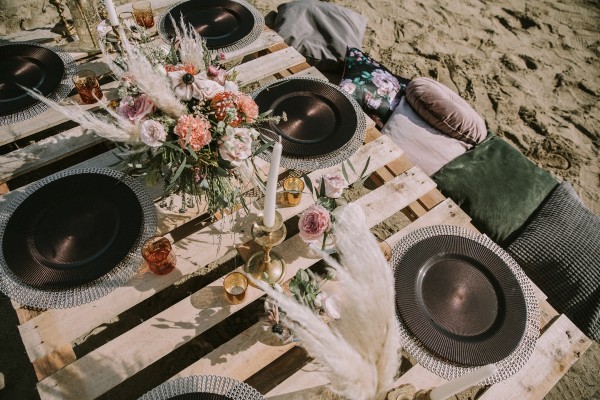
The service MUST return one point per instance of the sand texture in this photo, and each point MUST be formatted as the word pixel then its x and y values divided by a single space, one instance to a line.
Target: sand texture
pixel 531 70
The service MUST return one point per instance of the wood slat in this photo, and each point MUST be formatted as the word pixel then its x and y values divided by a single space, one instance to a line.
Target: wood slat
pixel 205 308
pixel 50 118
pixel 268 65
pixel 54 328
pixel 556 350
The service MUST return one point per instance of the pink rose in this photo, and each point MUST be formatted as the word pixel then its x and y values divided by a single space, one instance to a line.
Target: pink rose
pixel 348 86
pixel 152 133
pixel 313 223
pixel 237 147
pixel 387 84
pixel 193 131
pixel 135 109
pixel 334 185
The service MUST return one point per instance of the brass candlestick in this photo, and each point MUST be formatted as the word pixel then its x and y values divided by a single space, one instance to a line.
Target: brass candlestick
pixel 266 264
pixel 63 27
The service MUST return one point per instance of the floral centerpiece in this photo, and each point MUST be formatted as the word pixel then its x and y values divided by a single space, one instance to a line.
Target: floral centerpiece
pixel 181 119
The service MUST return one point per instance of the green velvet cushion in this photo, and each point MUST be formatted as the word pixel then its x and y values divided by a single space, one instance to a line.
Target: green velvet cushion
pixel 497 186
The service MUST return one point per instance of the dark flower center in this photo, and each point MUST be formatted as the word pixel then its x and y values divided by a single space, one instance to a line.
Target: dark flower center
pixel 188 79
pixel 277 328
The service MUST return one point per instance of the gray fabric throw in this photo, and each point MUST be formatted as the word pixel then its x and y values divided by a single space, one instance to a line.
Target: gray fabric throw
pixel 559 249
pixel 320 31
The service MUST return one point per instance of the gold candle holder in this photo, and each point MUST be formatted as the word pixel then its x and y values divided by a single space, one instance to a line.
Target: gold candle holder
pixel 235 285
pixel 292 190
pixel 266 264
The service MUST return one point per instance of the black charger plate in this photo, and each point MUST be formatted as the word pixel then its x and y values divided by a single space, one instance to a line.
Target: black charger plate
pixel 72 231
pixel 220 22
pixel 320 119
pixel 460 300
pixel 31 66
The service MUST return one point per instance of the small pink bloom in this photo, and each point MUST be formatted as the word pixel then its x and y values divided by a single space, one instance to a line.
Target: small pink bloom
pixel 237 147
pixel 313 223
pixel 152 133
pixel 217 74
pixel 135 109
pixel 348 86
pixel 193 131
pixel 334 185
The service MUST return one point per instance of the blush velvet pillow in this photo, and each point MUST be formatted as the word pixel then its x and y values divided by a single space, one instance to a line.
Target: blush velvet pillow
pixel 372 85
pixel 423 145
pixel 445 110
pixel 320 31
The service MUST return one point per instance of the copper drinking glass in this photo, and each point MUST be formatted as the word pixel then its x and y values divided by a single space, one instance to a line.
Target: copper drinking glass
pixel 158 254
pixel 142 12
pixel 235 285
pixel 292 190
pixel 87 86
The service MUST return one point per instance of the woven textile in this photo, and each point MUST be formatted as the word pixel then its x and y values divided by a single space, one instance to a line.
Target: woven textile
pixel 559 249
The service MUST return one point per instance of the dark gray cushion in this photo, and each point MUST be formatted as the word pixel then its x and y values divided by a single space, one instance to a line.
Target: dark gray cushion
pixel 320 31
pixel 559 249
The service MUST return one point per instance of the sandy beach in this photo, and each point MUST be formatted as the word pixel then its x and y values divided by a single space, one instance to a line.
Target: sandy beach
pixel 531 70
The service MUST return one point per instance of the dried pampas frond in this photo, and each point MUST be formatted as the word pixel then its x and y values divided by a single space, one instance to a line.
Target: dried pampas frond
pixel 153 82
pixel 191 50
pixel 360 352
pixel 115 128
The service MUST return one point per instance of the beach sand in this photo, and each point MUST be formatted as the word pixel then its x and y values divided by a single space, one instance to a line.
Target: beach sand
pixel 531 71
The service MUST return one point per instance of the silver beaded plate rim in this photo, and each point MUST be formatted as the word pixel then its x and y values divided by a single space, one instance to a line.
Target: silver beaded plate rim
pixel 211 384
pixel 61 91
pixel 257 29
pixel 33 297
pixel 510 364
pixel 307 164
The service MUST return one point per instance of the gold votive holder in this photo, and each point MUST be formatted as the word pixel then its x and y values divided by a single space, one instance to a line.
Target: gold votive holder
pixel 235 285
pixel 267 265
pixel 292 190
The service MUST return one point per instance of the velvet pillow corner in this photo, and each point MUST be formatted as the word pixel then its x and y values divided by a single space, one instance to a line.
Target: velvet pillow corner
pixel 372 85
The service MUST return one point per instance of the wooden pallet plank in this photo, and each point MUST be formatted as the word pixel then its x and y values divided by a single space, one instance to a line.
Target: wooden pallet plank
pixel 50 118
pixel 192 316
pixel 269 64
pixel 556 350
pixel 37 155
pixel 54 328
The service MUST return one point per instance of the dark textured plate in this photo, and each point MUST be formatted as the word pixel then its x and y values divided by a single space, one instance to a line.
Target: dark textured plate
pixel 220 22
pixel 72 231
pixel 30 66
pixel 460 300
pixel 320 119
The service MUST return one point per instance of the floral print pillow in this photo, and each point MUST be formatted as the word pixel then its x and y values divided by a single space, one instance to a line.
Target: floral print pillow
pixel 375 88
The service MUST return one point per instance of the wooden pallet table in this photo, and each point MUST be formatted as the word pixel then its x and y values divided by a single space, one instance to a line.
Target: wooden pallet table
pixel 108 369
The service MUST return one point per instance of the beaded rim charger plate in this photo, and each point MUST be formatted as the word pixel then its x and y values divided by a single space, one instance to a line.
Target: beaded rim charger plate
pixel 323 125
pixel 462 302
pixel 203 387
pixel 225 24
pixel 34 66
pixel 78 232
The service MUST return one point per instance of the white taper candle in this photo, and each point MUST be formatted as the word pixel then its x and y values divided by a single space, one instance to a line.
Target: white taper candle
pixel 457 385
pixel 270 194
pixel 112 13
